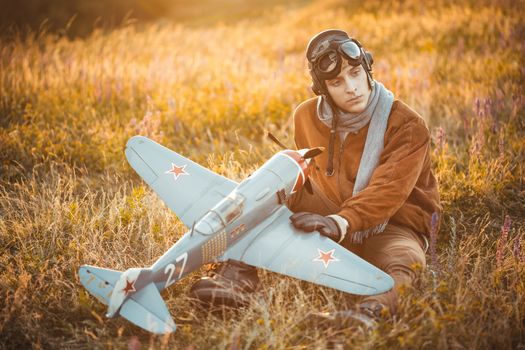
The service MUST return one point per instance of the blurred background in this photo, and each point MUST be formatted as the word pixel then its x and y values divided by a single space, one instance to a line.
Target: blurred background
pixel 80 17
pixel 78 78
pixel 207 79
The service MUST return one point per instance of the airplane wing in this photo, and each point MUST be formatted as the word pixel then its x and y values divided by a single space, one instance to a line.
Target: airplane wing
pixel 281 248
pixel 186 187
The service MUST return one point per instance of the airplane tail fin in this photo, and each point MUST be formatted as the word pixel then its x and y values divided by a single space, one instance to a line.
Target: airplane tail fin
pixel 145 308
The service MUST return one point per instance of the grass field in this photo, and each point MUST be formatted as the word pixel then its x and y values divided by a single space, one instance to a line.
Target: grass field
pixel 209 91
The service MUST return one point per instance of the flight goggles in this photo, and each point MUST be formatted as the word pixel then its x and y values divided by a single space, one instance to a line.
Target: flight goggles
pixel 327 62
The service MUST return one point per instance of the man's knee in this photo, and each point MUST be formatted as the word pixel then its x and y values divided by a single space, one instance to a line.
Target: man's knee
pixel 404 263
pixel 395 246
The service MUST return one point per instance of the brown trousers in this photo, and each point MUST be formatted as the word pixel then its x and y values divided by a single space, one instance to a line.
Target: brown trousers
pixel 397 250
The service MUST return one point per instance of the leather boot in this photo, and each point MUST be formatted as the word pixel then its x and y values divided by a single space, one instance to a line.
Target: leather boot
pixel 229 284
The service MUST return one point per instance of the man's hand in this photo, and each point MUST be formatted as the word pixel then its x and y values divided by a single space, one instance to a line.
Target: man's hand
pixel 309 222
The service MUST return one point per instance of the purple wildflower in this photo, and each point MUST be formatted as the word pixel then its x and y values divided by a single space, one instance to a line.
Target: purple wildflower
pixel 478 111
pixel 491 116
pixel 134 343
pixel 516 251
pixel 487 108
pixel 150 124
pixel 440 139
pixel 503 239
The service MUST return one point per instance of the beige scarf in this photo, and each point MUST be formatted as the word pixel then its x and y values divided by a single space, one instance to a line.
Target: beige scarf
pixel 376 112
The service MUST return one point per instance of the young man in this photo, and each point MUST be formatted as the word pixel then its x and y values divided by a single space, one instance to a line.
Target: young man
pixel 374 191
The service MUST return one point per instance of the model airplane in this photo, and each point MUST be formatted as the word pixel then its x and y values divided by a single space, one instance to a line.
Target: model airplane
pixel 245 221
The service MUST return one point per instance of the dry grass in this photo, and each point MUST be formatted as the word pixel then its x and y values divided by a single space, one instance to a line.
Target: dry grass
pixel 67 196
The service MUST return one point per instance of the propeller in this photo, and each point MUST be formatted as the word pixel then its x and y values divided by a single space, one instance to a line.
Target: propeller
pixel 312 152
pixel 308 186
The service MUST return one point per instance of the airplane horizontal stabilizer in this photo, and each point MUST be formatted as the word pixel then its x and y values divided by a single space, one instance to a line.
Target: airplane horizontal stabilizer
pixel 147 309
pixel 99 281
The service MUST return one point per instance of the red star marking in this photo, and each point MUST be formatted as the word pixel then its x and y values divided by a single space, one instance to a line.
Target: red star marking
pixel 177 171
pixel 130 287
pixel 326 257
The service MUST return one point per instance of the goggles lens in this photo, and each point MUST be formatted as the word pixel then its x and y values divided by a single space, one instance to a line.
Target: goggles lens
pixel 351 50
pixel 328 61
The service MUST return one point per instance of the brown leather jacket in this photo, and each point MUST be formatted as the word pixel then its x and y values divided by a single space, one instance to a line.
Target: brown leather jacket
pixel 402 188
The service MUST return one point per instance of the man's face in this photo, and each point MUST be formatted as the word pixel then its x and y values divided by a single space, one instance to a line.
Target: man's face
pixel 349 90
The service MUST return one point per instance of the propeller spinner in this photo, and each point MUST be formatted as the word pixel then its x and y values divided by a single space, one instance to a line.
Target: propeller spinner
pixel 305 154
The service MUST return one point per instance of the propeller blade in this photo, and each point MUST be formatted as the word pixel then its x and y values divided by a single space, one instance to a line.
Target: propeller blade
pixel 308 186
pixel 312 152
pixel 274 139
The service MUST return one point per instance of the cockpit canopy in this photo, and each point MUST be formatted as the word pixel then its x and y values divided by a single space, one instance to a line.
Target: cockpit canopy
pixel 222 214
